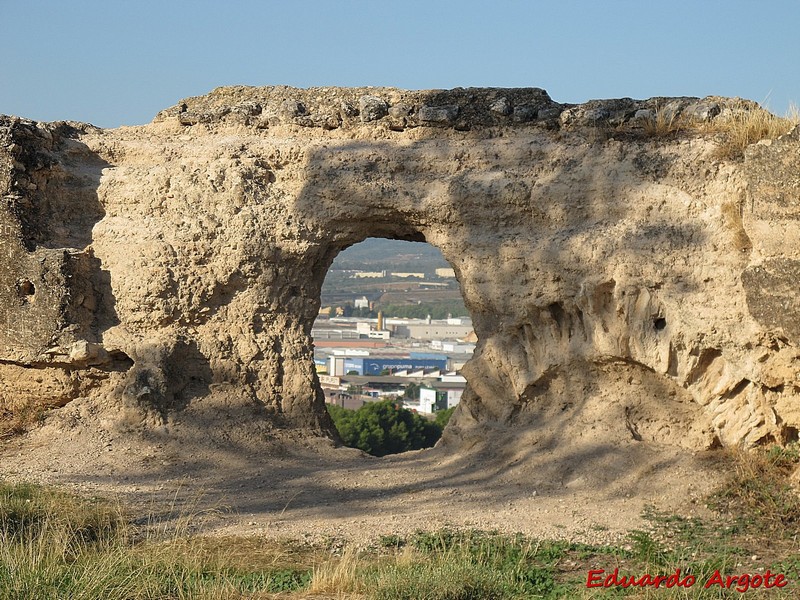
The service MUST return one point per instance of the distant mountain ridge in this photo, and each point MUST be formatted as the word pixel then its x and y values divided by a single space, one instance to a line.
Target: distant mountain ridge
pixel 379 254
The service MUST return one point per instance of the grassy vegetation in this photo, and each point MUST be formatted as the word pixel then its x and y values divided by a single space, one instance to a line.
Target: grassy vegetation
pixel 663 123
pixel 54 545
pixel 734 132
pixel 18 417
pixel 748 127
pixel 759 497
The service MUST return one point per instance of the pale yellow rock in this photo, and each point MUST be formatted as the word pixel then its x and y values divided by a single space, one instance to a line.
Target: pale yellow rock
pixel 198 244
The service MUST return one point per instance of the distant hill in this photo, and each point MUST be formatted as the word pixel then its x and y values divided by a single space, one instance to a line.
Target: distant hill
pixel 374 254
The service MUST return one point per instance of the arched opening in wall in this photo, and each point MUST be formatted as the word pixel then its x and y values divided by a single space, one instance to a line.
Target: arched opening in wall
pixel 389 342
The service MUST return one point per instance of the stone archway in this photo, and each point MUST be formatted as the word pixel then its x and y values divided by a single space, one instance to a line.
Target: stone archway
pixel 587 251
pixel 534 321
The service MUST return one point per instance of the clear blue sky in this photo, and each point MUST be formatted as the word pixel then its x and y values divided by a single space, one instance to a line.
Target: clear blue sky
pixel 115 62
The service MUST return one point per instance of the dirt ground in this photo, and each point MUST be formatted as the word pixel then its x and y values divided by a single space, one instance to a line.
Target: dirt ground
pixel 245 480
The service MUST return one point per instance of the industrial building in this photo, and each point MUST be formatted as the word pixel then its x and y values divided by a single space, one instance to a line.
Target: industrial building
pixel 446 273
pixel 440 395
pixel 377 365
pixel 436 392
pixel 433 331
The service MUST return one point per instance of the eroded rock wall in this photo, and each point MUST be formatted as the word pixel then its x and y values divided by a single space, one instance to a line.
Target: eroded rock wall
pixel 175 268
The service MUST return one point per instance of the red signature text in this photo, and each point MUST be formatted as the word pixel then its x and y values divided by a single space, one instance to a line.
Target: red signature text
pixel 740 583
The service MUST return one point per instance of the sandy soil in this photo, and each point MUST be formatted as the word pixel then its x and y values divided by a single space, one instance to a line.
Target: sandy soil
pixel 283 485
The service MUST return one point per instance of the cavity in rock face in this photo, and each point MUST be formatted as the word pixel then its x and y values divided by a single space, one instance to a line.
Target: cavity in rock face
pixel 638 285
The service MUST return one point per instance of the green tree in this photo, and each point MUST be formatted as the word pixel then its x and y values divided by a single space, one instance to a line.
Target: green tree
pixel 437 310
pixel 385 427
pixel 443 416
pixel 364 313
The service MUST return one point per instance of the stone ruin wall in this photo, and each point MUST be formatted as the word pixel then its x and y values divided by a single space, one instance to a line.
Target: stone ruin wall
pixel 174 269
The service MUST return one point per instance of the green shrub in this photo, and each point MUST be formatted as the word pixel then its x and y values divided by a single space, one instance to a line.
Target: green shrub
pixel 443 416
pixel 381 428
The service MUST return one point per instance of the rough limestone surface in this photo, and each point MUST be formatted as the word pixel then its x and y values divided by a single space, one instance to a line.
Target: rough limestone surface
pixel 622 283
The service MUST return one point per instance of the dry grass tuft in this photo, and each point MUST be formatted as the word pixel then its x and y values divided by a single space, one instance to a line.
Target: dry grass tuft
pixel 746 127
pixel 664 123
pixel 337 577
pixel 735 129
pixel 760 492
pixel 17 419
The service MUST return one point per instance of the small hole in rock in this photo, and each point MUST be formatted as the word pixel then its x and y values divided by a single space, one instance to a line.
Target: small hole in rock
pixel 26 287
pixel 790 435
pixel 659 323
